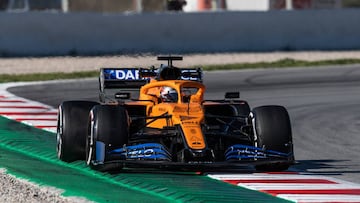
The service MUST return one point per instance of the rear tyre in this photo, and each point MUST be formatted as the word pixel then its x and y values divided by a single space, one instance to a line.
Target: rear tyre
pixel 272 131
pixel 72 129
pixel 108 130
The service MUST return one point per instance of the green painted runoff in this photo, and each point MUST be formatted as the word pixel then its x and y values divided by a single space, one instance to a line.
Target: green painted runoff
pixel 30 153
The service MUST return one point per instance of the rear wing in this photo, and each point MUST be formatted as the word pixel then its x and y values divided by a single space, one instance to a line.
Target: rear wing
pixel 136 77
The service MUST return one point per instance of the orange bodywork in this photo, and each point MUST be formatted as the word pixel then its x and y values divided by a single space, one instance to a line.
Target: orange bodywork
pixel 186 112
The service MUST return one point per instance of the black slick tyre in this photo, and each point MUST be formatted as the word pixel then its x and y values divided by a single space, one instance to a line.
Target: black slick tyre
pixel 108 130
pixel 72 129
pixel 272 131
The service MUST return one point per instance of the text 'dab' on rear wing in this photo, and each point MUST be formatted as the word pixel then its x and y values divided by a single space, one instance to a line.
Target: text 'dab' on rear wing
pixel 120 78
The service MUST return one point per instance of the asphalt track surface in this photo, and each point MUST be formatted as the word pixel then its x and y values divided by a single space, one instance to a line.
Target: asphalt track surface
pixel 323 104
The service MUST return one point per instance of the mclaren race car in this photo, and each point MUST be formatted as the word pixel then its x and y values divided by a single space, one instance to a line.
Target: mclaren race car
pixel 169 124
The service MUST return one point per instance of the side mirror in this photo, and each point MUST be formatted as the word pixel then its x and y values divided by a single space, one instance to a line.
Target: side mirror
pixel 122 95
pixel 232 95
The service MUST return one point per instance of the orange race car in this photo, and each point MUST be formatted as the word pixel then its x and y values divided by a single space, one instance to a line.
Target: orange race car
pixel 170 125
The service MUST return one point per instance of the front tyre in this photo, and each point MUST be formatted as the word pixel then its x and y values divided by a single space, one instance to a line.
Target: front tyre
pixel 108 130
pixel 72 129
pixel 272 131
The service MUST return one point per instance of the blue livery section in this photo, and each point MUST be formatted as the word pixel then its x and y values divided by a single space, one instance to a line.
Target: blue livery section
pixel 120 78
pixel 245 152
pixel 147 151
pixel 100 152
pixel 121 74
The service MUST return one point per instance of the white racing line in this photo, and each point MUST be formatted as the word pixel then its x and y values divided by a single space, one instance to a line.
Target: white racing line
pixel 294 186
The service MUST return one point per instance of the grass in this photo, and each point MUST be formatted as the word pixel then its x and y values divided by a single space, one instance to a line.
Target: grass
pixel 87 74
pixel 282 63
pixel 46 76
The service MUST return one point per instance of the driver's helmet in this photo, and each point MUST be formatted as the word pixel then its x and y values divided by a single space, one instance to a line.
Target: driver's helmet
pixel 168 94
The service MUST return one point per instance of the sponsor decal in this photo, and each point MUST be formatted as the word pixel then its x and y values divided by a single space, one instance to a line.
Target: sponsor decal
pixel 190 123
pixel 184 118
pixel 186 75
pixel 141 153
pixel 121 74
pixel 195 140
pixel 188 120
pixel 186 109
pixel 162 109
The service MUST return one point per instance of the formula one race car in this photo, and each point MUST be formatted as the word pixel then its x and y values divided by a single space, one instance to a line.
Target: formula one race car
pixel 170 125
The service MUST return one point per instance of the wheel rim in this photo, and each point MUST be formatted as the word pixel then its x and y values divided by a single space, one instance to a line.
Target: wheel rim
pixel 253 123
pixel 59 132
pixel 90 140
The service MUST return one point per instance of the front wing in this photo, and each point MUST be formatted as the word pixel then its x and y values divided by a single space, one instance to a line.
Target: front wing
pixel 154 155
